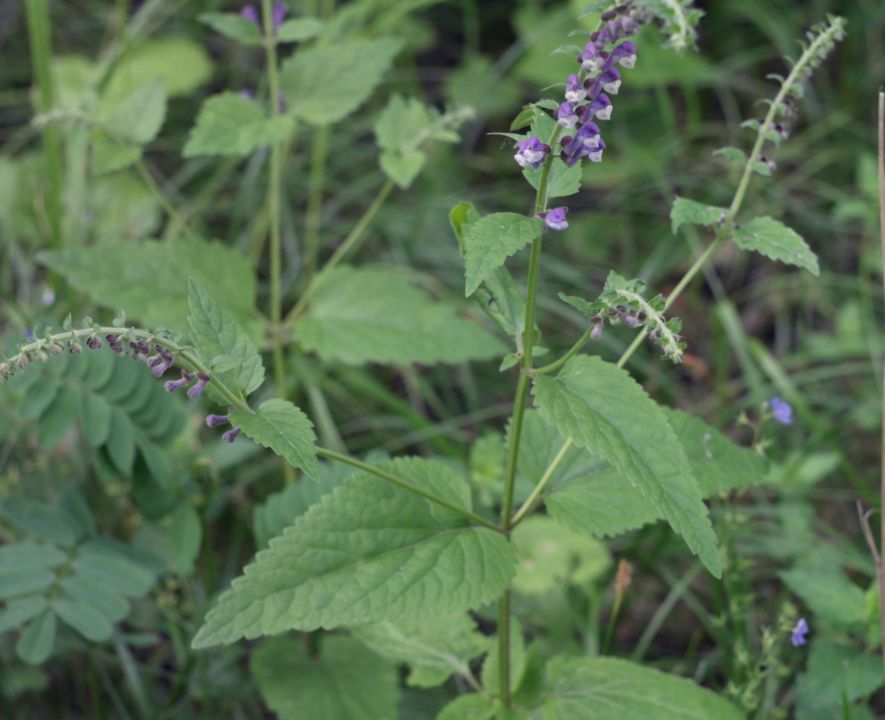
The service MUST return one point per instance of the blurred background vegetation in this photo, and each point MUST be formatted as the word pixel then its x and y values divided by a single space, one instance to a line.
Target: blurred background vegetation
pixel 754 328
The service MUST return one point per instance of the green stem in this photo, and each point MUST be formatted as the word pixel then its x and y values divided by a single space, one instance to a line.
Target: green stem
pixel 535 495
pixel 39 30
pixel 316 181
pixel 378 472
pixel 519 404
pixel 350 242
pixel 575 349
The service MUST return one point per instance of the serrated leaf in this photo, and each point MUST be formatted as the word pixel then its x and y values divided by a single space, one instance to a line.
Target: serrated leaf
pixel 298 29
pixel 598 501
pixel 732 154
pixel 220 341
pixel 347 681
pixel 475 706
pixel 149 279
pixel 433 651
pixel 361 315
pixel 490 240
pixel 35 644
pixel 604 688
pixel 282 508
pixel 232 125
pixel 325 84
pixel 599 406
pixel 564 180
pixel 775 240
pixel 411 559
pixel 282 427
pixel 234 26
pixel 691 212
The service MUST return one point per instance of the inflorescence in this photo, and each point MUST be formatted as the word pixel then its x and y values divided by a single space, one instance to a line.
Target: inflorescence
pixel 159 351
pixel 587 98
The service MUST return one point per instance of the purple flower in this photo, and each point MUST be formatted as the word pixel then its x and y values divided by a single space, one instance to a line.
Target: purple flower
pixel 247 94
pixel 555 218
pixel 230 435
pixel 575 90
pixel 577 148
pixel 173 385
pixel 625 54
pixel 799 634
pixel 600 108
pixel 93 343
pixel 592 58
pixel 531 153
pixel 610 81
pixel 277 15
pixel 596 332
pixel 251 14
pixel 216 420
pixel 782 411
pixel 114 343
pixel 195 390
pixel 589 135
pixel 567 116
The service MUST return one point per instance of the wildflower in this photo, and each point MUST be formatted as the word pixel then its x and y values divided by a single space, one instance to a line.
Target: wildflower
pixel 610 80
pixel 247 94
pixel 567 116
pixel 782 411
pixel 799 634
pixel 251 14
pixel 216 420
pixel 625 54
pixel 195 390
pixel 596 333
pixel 600 107
pixel 230 435
pixel 592 58
pixel 93 343
pixel 159 369
pixel 575 90
pixel 278 14
pixel 173 385
pixel 114 343
pixel 531 152
pixel 555 218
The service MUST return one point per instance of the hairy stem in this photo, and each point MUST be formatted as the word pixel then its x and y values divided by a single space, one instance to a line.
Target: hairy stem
pixel 522 389
pixel 39 30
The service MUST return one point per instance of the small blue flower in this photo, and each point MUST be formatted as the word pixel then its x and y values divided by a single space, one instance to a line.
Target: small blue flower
pixel 532 153
pixel 555 218
pixel 783 412
pixel 592 58
pixel 625 54
pixel 799 634
pixel 195 390
pixel 610 81
pixel 567 116
pixel 230 435
pixel 600 108
pixel 216 420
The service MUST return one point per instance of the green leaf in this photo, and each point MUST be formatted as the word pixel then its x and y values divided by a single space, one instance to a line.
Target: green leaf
pixel 325 84
pixel 115 566
pixel 18 612
pixel 298 29
pixel 149 280
pixel 138 117
pixel 733 155
pixel 93 593
pixel 28 581
pixel 282 508
pixel 599 406
pixel 232 125
pixel 372 315
pixel 836 673
pixel 348 682
pixel 86 619
pixel 227 350
pixel 827 591
pixel 564 180
pixel 775 240
pixel 20 556
pixel 475 706
pixel 691 212
pixel 491 240
pixel 281 426
pixel 403 168
pixel 433 651
pixel 175 539
pixel 58 418
pixel 551 555
pixel 410 559
pixel 182 65
pixel 36 642
pixel 44 521
pixel 234 26
pixel 604 688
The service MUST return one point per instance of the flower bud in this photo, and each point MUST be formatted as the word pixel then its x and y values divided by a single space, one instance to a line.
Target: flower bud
pixel 216 420
pixel 230 435
pixel 195 390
